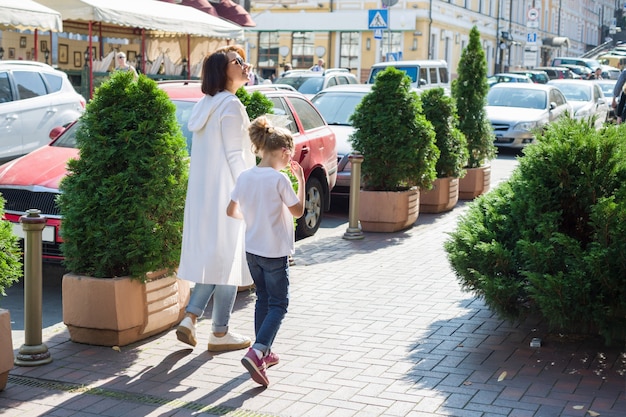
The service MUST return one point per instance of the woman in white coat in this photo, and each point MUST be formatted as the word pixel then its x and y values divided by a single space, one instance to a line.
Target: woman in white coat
pixel 213 255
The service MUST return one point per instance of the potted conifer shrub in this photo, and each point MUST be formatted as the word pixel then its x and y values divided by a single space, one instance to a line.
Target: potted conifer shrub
pixel 122 204
pixel 440 110
pixel 470 92
pixel 10 272
pixel 398 147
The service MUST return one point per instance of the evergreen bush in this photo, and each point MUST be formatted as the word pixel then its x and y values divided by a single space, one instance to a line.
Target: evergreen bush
pixel 440 110
pixel 123 199
pixel 470 92
pixel 393 135
pixel 550 240
pixel 10 254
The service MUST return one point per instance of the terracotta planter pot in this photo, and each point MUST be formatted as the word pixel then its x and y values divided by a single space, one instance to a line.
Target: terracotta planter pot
pixel 388 211
pixel 475 182
pixel 6 347
pixel 442 197
pixel 120 311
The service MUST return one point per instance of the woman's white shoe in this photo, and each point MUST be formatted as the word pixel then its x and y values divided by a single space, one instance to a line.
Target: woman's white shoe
pixel 186 332
pixel 230 341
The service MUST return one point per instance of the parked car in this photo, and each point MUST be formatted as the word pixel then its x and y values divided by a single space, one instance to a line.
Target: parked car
pixel 536 76
pixel 24 188
pixel 507 78
pixel 592 64
pixel 337 104
pixel 310 83
pixel 424 74
pixel 556 72
pixel 607 87
pixel 34 98
pixel 587 100
pixel 582 71
pixel 515 110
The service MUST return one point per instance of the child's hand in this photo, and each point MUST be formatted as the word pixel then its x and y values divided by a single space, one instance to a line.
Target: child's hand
pixel 297 170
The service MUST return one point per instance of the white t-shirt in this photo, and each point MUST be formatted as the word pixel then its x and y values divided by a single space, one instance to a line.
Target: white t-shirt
pixel 264 196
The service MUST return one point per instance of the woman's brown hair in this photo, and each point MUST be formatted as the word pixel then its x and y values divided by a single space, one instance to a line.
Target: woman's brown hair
pixel 214 69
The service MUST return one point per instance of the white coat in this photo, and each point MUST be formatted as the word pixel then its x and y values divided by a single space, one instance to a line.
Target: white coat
pixel 213 243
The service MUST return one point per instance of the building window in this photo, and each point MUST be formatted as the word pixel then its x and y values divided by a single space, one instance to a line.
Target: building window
pixel 268 50
pixel 349 48
pixel 394 46
pixel 303 49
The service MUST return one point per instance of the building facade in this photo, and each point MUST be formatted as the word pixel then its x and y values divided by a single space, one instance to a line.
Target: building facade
pixel 351 34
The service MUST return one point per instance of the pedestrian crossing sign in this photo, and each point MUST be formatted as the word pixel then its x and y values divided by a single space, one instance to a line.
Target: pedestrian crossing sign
pixel 377 18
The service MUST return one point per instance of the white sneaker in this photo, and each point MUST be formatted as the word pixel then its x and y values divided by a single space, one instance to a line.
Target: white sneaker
pixel 230 341
pixel 186 332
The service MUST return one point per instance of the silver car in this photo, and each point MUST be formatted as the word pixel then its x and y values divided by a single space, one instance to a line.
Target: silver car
pixel 34 98
pixel 516 110
pixel 587 99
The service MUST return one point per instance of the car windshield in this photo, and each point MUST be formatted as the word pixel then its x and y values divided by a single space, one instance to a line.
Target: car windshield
pixel 517 97
pixel 607 88
pixel 337 108
pixel 575 92
pixel 411 71
pixel 305 85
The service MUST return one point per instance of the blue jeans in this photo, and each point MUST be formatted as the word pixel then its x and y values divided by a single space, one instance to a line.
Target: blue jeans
pixel 223 303
pixel 271 279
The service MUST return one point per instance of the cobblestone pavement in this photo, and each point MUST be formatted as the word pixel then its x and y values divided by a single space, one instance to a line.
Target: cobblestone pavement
pixel 376 327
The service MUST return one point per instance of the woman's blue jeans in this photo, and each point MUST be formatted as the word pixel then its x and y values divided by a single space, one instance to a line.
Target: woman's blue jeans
pixel 223 303
pixel 271 279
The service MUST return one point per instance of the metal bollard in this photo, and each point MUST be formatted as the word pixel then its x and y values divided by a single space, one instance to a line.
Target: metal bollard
pixel 354 232
pixel 33 352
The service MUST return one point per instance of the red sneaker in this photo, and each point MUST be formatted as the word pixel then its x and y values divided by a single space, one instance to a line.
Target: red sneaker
pixel 256 367
pixel 271 359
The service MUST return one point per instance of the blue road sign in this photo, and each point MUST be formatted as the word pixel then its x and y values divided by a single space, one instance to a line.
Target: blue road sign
pixel 377 19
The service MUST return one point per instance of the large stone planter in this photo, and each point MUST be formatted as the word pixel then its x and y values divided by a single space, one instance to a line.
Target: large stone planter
pixel 475 182
pixel 388 211
pixel 6 347
pixel 442 197
pixel 120 311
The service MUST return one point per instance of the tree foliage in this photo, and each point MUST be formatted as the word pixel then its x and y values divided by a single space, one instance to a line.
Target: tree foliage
pixel 10 254
pixel 470 91
pixel 440 110
pixel 393 135
pixel 123 199
pixel 550 240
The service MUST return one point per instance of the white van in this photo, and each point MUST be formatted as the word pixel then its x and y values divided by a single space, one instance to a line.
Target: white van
pixel 424 74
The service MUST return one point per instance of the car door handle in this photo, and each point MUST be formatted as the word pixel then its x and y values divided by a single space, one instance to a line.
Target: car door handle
pixel 52 110
pixel 303 152
pixel 12 117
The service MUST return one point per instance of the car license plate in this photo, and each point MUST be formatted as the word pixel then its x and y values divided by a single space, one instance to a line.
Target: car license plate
pixel 47 235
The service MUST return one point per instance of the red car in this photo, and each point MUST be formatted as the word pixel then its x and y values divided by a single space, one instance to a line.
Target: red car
pixel 32 181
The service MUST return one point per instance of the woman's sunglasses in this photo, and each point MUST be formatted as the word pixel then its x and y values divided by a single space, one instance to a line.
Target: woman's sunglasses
pixel 239 61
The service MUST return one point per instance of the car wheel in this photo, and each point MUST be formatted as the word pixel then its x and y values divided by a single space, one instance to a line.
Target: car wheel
pixel 313 209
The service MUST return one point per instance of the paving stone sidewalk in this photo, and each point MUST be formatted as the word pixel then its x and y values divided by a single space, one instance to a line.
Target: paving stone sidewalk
pixel 376 327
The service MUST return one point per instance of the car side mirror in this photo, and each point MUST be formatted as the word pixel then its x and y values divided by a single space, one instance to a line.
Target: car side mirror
pixel 423 82
pixel 552 105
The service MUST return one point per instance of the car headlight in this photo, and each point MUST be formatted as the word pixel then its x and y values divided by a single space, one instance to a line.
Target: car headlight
pixel 526 126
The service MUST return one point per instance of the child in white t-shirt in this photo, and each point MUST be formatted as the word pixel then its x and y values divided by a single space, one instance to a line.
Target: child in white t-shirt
pixel 264 197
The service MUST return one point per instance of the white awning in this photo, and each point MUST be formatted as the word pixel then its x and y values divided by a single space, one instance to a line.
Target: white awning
pixel 26 14
pixel 153 15
pixel 556 42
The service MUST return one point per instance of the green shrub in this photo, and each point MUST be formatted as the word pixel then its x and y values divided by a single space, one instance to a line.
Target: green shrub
pixel 123 200
pixel 470 91
pixel 393 135
pixel 10 254
pixel 440 110
pixel 550 240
